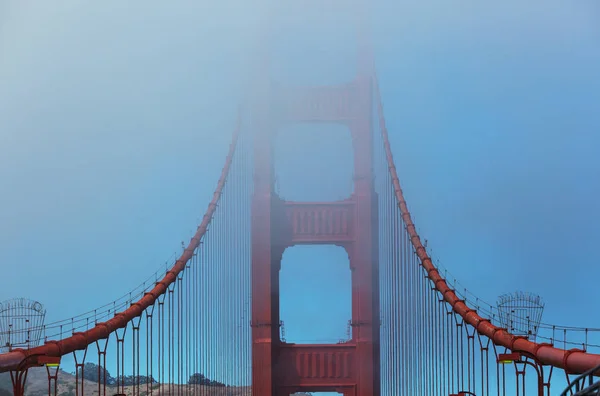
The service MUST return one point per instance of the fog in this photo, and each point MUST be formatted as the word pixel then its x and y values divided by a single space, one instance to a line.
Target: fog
pixel 115 118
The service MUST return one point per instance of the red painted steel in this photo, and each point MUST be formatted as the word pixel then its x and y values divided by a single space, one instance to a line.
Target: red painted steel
pixel 316 104
pixel 18 378
pixel 310 223
pixel 265 275
pixel 573 361
pixel 279 368
pixel 318 365
pixel 20 359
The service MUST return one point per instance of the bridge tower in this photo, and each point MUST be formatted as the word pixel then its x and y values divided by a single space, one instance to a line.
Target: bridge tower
pixel 351 368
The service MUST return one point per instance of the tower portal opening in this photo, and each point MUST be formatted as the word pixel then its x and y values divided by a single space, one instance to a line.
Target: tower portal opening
pixel 315 294
pixel 314 162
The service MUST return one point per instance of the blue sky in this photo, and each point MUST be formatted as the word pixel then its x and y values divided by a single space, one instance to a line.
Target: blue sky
pixel 115 119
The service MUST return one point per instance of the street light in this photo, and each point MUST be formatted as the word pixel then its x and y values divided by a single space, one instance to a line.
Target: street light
pixel 52 364
pixel 507 358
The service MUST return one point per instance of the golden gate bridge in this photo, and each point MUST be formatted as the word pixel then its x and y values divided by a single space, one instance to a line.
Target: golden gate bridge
pixel 216 311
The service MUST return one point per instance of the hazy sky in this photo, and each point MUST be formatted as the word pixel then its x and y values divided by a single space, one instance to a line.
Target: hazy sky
pixel 115 118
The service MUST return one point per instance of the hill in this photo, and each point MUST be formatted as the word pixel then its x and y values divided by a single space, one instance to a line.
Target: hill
pixel 37 385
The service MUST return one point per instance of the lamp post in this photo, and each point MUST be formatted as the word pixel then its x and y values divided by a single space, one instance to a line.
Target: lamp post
pixel 507 358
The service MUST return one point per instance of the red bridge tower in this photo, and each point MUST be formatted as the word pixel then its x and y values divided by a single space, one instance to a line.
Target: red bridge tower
pixel 352 368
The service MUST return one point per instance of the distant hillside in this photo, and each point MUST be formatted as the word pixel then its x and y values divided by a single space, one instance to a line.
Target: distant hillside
pixel 37 385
